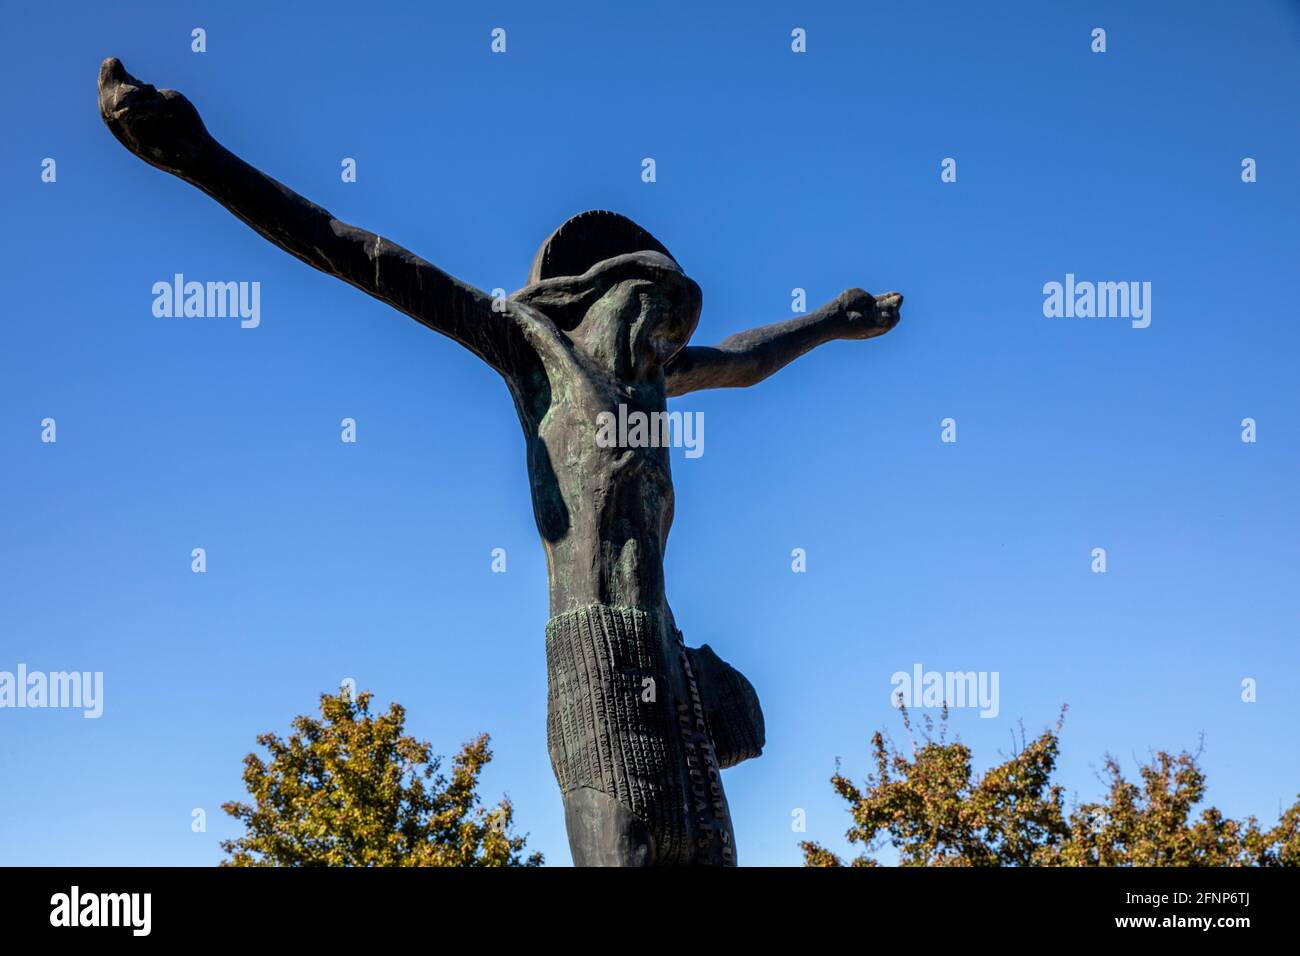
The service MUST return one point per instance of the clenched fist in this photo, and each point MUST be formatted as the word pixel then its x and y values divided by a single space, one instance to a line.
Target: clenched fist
pixel 159 126
pixel 865 315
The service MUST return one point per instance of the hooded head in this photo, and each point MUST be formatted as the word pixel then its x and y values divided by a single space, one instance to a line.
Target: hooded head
pixel 616 290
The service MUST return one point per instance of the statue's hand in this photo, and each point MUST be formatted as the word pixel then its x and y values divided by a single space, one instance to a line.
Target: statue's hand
pixel 865 315
pixel 159 126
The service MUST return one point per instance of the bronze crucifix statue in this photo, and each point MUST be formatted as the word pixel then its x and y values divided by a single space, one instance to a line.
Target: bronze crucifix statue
pixel 639 726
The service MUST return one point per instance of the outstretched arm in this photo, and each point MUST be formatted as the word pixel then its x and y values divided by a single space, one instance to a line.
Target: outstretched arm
pixel 163 129
pixel 749 357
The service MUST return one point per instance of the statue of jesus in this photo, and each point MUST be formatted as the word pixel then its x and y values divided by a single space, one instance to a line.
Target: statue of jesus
pixel 639 726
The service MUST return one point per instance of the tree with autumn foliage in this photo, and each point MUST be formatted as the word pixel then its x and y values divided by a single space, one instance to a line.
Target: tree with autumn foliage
pixel 350 789
pixel 936 812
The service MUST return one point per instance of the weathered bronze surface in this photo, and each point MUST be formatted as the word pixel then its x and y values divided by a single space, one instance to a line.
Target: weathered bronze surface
pixel 639 725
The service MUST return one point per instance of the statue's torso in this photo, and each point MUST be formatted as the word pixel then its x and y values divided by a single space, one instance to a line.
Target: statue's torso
pixel 629 721
pixel 603 512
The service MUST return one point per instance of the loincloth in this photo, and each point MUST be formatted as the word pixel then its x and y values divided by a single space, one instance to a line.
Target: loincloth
pixel 634 713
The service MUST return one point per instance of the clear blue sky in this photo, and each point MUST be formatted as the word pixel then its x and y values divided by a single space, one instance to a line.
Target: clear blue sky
pixel 775 171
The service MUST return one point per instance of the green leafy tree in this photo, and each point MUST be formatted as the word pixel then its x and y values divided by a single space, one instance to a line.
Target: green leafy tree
pixel 350 789
pixel 936 812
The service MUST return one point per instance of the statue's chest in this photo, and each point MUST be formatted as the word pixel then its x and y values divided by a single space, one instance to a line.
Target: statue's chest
pixel 605 440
